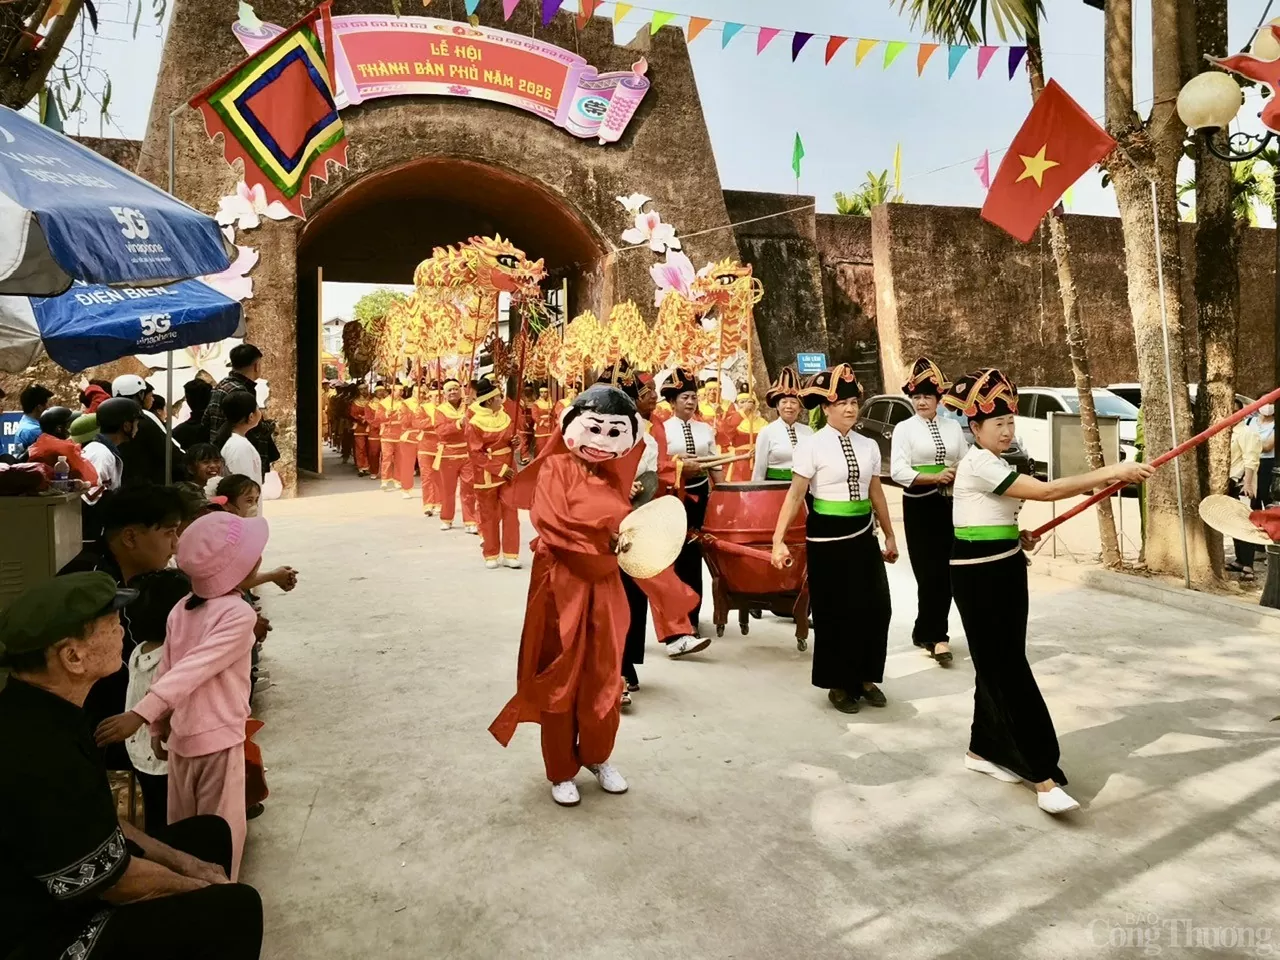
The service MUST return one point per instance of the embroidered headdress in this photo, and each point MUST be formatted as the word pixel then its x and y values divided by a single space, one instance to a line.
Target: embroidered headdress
pixel 831 386
pixel 986 393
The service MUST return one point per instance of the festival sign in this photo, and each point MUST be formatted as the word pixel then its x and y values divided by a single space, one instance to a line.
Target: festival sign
pixel 389 56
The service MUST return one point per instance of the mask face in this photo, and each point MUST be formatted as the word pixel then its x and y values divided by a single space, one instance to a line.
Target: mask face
pixel 597 437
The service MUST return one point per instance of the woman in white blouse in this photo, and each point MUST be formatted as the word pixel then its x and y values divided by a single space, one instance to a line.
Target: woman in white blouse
pixel 926 449
pixel 239 455
pixel 1012 738
pixel 776 442
pixel 848 587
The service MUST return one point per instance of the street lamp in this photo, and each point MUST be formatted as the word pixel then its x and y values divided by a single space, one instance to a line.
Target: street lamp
pixel 1208 104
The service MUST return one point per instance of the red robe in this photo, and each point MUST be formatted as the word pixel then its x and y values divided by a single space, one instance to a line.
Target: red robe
pixel 576 618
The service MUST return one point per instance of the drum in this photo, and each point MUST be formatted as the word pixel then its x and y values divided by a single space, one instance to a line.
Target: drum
pixel 743 515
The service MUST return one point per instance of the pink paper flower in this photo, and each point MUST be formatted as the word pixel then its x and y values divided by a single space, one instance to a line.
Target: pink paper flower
pixel 650 229
pixel 248 205
pixel 234 282
pixel 676 273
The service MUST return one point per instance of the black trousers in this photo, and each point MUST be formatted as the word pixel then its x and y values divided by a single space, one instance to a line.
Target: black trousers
pixel 688 565
pixel 155 802
pixel 1011 724
pixel 633 652
pixel 220 922
pixel 927 521
pixel 1245 551
pixel 849 599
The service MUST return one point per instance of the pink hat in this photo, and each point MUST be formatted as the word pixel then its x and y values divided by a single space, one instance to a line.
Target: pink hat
pixel 220 550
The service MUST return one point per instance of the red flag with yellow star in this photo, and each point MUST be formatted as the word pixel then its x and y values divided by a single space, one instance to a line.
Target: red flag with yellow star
pixel 1058 142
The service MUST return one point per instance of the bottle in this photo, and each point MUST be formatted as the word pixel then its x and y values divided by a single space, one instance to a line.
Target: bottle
pixel 61 475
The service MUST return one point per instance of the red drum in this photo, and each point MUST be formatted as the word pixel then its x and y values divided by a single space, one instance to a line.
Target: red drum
pixel 737 541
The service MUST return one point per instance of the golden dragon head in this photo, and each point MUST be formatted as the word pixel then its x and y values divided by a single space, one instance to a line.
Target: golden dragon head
pixel 726 280
pixel 499 264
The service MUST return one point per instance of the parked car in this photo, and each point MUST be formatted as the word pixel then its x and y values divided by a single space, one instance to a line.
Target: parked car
pixel 879 415
pixel 1036 403
pixel 1133 393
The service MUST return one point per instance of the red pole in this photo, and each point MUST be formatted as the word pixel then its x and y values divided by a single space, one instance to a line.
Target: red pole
pixel 1164 458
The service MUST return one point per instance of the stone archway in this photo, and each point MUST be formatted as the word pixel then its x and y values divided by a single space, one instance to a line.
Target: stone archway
pixel 378 227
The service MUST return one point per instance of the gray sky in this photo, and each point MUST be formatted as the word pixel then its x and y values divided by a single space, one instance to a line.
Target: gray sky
pixel 850 118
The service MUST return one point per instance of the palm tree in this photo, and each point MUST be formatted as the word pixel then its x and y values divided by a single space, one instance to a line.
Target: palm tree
pixel 874 191
pixel 965 21
pixel 1251 189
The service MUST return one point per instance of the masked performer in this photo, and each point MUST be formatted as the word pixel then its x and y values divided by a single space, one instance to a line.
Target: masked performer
pixel 425 423
pixel 682 440
pixel 848 588
pixel 776 442
pixel 491 439
pixel 578 491
pixel 1012 738
pixel 453 461
pixel 926 449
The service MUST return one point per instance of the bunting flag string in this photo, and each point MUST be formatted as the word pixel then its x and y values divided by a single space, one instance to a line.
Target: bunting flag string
pixel 696 26
pixel 729 31
pixel 620 10
pixel 891 51
pixel 927 50
pixel 955 53
pixel 864 47
pixel 766 35
pixel 508 8
pixel 833 45
pixel 797 44
pixel 660 19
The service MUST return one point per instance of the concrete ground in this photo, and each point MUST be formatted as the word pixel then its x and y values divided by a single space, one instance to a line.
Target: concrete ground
pixel 760 823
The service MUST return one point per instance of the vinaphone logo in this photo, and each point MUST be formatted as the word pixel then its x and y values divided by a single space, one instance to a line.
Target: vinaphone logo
pixel 156 329
pixel 136 230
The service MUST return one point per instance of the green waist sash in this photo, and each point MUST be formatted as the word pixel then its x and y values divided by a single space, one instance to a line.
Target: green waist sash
pixel 774 473
pixel 1007 531
pixel 930 468
pixel 842 508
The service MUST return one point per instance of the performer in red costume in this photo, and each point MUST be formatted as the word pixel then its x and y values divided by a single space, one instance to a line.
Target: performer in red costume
pixel 453 463
pixel 406 454
pixel 569 676
pixel 375 416
pixel 427 443
pixel 360 423
pixel 491 439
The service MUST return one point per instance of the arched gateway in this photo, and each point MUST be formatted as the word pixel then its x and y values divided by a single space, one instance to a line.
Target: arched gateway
pixel 431 170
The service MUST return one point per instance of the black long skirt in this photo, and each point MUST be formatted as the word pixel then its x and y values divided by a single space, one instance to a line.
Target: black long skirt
pixel 927 522
pixel 1011 724
pixel 849 599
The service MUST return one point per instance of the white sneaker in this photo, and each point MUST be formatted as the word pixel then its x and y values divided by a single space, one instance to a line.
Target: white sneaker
pixel 611 780
pixel 1056 801
pixel 408 495
pixel 687 645
pixel 565 793
pixel 472 529
pixel 990 769
pixel 511 562
pixel 445 524
pixel 491 564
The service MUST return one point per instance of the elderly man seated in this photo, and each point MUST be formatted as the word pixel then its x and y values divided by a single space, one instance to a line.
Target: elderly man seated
pixel 75 880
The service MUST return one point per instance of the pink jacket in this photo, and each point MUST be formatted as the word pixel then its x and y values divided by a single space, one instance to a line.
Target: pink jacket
pixel 202 683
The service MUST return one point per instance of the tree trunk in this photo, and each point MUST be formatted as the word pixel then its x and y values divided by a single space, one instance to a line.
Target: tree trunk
pixel 1217 280
pixel 26 70
pixel 1077 338
pixel 1148 153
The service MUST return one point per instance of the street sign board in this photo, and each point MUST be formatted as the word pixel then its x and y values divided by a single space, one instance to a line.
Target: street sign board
pixel 808 364
pixel 9 431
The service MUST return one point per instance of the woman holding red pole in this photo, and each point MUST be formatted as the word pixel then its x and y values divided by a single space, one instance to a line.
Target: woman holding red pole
pixel 1012 738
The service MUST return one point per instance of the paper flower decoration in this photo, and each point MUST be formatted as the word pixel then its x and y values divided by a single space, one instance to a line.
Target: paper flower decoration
pixel 248 205
pixel 634 203
pixel 650 229
pixel 676 274
pixel 234 282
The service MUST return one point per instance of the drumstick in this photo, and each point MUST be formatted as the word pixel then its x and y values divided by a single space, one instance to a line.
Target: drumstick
pixel 728 546
pixel 722 460
pixel 1164 458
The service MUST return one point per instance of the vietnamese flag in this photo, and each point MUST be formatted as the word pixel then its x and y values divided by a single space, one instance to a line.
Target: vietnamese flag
pixel 1058 142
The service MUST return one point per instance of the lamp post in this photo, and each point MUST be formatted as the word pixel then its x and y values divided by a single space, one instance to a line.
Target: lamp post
pixel 1208 104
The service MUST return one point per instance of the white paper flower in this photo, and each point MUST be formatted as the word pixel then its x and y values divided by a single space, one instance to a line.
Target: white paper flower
pixel 234 282
pixel 650 229
pixel 634 203
pixel 675 274
pixel 248 205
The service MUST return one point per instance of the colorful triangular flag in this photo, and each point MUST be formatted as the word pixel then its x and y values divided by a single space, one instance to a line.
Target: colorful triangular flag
pixel 660 19
pixel 891 51
pixel 1015 57
pixel 955 53
pixel 834 44
pixel 983 169
pixel 864 47
pixel 1069 198
pixel 927 50
pixel 728 33
pixel 549 10
pixel 797 154
pixel 984 57
pixel 766 35
pixel 471 6
pixel 798 40
pixel 508 8
pixel 587 11
pixel 696 26
pixel 620 10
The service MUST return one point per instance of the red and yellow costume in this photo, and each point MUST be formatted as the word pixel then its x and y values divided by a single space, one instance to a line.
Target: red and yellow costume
pixel 738 436
pixel 389 429
pixel 407 448
pixel 360 427
pixel 374 418
pixel 662 412
pixel 491 439
pixel 569 674
pixel 544 424
pixel 557 411
pixel 425 423
pixel 453 463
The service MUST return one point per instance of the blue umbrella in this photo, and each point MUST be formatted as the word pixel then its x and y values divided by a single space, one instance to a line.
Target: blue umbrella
pixel 92 324
pixel 67 214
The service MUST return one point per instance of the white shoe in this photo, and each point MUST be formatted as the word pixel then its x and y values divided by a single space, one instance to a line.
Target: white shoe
pixel 1056 801
pixel 978 765
pixel 408 495
pixel 565 793
pixel 512 563
pixel 472 529
pixel 611 780
pixel 445 524
pixel 491 564
pixel 687 645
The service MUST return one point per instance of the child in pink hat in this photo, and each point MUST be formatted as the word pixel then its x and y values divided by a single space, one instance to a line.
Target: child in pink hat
pixel 199 701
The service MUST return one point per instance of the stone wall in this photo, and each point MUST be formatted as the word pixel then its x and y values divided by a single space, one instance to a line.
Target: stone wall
pixel 849 291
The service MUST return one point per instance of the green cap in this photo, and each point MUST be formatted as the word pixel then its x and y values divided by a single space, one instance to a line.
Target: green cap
pixel 84 428
pixel 57 609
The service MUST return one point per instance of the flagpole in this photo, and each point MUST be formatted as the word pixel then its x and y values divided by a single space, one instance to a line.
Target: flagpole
pixel 168 421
